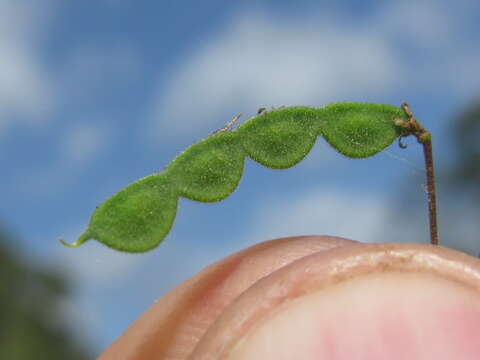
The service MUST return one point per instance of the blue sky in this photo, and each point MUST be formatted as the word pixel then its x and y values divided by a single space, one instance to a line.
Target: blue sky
pixel 96 94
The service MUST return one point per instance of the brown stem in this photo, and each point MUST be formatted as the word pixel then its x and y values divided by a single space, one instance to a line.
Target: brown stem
pixel 432 202
pixel 413 127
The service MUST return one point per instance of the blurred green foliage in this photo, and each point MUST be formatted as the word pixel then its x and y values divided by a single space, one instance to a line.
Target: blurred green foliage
pixel 465 174
pixel 32 325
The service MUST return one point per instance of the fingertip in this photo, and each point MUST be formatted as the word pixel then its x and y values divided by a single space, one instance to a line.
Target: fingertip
pixel 322 272
pixel 177 321
pixel 377 316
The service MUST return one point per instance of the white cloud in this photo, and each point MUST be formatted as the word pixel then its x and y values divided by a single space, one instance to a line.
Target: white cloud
pixel 24 87
pixel 322 212
pixel 442 54
pixel 260 60
pixel 424 24
pixel 25 90
pixel 83 141
pixel 29 91
pixel 89 73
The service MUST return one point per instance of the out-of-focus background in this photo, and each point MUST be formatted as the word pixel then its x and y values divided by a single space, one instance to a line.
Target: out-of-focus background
pixel 96 94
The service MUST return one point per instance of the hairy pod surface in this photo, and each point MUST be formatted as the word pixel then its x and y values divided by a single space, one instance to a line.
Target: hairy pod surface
pixel 209 170
pixel 280 138
pixel 138 218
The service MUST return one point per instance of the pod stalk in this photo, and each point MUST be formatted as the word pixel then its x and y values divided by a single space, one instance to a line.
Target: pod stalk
pixel 424 137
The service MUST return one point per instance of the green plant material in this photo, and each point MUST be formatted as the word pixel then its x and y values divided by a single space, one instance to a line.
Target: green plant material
pixel 139 217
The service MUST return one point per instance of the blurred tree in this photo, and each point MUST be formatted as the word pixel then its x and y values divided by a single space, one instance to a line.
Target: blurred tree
pixel 465 174
pixel 462 181
pixel 31 321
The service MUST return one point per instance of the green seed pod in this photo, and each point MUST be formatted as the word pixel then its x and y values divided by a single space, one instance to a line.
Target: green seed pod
pixel 360 130
pixel 209 170
pixel 279 138
pixel 135 219
pixel 138 217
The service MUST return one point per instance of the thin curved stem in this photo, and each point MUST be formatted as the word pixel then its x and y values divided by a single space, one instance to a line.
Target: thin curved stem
pixel 424 137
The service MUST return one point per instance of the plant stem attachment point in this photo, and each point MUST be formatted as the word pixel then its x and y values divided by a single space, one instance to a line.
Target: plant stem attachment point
pixel 424 137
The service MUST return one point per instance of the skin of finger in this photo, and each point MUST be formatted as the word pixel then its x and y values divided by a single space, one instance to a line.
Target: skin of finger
pixel 319 271
pixel 380 316
pixel 173 326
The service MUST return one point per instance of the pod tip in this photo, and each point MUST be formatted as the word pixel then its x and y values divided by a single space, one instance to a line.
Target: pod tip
pixel 84 237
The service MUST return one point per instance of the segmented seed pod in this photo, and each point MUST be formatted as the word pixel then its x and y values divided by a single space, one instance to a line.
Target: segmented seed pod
pixel 138 218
